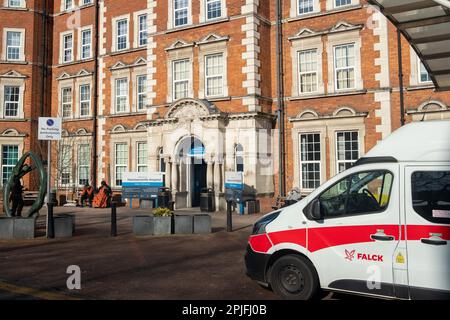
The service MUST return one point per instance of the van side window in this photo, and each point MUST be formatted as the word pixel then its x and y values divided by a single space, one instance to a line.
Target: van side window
pixel 431 195
pixel 360 193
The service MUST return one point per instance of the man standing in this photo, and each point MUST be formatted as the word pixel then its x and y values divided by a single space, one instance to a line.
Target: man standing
pixel 16 197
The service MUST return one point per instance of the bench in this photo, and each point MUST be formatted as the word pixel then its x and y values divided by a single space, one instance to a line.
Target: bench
pixel 29 197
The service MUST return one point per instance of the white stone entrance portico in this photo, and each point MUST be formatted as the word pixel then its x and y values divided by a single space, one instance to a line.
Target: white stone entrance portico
pixel 218 133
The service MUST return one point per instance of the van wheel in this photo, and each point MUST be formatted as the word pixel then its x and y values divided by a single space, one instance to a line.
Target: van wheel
pixel 294 278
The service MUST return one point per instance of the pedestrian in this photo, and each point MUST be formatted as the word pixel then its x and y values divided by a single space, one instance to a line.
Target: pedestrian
pixel 87 194
pixel 16 197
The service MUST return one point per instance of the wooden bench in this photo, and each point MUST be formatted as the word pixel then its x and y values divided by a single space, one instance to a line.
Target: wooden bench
pixel 279 203
pixel 29 197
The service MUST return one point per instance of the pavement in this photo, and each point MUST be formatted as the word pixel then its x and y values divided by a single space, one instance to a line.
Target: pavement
pixel 129 267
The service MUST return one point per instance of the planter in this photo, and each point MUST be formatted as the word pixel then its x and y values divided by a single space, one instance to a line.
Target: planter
pixel 162 225
pixel 184 224
pixel 64 225
pixel 202 223
pixel 17 228
pixel 143 225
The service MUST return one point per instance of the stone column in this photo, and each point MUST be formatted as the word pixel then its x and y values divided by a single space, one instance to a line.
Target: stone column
pixel 168 173
pixel 174 177
pixel 210 175
pixel 217 177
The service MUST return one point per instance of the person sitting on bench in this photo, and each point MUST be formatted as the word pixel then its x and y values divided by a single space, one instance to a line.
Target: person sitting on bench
pixel 87 194
pixel 103 197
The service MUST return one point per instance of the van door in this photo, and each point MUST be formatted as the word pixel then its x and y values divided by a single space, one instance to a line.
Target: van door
pixel 353 246
pixel 427 210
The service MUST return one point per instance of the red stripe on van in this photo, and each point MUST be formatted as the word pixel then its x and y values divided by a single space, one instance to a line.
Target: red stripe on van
pixel 321 238
pixel 260 243
pixel 417 232
pixel 297 236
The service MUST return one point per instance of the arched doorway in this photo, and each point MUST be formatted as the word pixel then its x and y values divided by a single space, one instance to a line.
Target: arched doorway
pixel 193 169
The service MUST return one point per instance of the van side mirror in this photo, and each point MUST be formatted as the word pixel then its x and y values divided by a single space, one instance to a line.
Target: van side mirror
pixel 313 210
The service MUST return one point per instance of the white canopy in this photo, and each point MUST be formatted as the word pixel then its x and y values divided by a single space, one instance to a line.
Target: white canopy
pixel 426 25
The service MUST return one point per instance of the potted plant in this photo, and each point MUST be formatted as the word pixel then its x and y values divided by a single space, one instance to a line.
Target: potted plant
pixel 162 221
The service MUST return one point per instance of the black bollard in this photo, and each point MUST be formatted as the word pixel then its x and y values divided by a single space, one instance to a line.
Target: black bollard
pixel 50 222
pixel 229 217
pixel 113 220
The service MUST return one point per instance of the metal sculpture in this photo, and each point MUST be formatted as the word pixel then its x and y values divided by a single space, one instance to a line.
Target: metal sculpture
pixel 20 170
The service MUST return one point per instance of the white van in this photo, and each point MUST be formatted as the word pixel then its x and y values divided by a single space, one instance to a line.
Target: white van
pixel 381 228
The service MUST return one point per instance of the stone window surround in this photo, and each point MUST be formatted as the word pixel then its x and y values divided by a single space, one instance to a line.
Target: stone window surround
pixel 131 74
pixel 293 13
pixel 75 142
pixel 61 46
pixel 414 77
pixel 178 54
pixel 9 140
pixel 135 73
pixel 74 84
pixel 327 129
pixel 307 44
pixel 341 38
pixel 20 82
pixel 136 16
pixel 80 44
pixel 171 15
pixel 63 6
pixel 331 4
pixel 22 44
pixel 116 75
pixel 23 4
pixel 114 32
pixel 203 11
pixel 131 139
pixel 208 49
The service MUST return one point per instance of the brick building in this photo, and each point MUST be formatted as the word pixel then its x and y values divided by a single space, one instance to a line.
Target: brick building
pixel 190 88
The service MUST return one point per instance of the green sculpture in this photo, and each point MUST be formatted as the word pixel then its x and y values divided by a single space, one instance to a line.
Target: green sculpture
pixel 20 170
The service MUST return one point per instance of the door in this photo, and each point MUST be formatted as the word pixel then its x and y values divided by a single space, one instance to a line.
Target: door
pixel 200 171
pixel 427 210
pixel 353 246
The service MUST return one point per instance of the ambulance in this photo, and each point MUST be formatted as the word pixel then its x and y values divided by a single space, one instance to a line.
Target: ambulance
pixel 380 228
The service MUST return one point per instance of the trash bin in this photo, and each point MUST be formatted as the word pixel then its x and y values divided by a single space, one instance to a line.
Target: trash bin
pixel 207 200
pixel 164 197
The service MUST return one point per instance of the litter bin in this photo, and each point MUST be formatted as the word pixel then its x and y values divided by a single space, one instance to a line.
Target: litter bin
pixel 164 196
pixel 207 200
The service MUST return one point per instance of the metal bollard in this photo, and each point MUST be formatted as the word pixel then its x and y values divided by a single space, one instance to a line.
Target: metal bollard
pixel 50 222
pixel 229 217
pixel 113 220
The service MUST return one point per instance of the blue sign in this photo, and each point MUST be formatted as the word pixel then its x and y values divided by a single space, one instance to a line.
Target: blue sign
pixel 197 151
pixel 234 180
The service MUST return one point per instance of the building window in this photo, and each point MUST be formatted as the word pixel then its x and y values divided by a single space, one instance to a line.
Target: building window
pixel 181 78
pixel 305 6
pixel 214 74
pixel 162 162
pixel 11 108
pixel 340 3
pixel 143 33
pixel 65 164
pixel 10 157
pixel 15 3
pixel 68 4
pixel 310 160
pixel 121 94
pixel 213 9
pixel 121 162
pixel 142 157
pixel 307 66
pixel 85 100
pixel 66 100
pixel 347 149
pixel 86 2
pixel 122 34
pixel 83 164
pixel 67 48
pixel 239 158
pixel 181 11
pixel 13 42
pixel 141 92
pixel 86 43
pixel 424 76
pixel 344 66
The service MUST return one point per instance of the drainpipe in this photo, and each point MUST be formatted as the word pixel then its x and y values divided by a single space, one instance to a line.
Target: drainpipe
pixel 400 78
pixel 44 66
pixel 280 98
pixel 95 109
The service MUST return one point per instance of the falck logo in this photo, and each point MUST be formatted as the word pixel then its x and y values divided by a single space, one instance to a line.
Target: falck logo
pixel 350 255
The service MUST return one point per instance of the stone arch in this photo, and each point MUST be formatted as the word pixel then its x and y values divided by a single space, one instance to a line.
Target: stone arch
pixel 432 105
pixel 118 128
pixel 140 127
pixel 11 133
pixel 344 111
pixel 308 114
pixel 190 109
pixel 81 132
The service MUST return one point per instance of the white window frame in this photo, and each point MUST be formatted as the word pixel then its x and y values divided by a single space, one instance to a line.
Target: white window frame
pixel 63 49
pixel 64 7
pixel 419 73
pixel 84 3
pixel 309 12
pixel 301 162
pixel 206 10
pixel 84 101
pixel 188 79
pixel 337 148
pixel 142 33
pixel 348 67
pixel 3 166
pixel 21 46
pixel 116 165
pixel 62 161
pixel 300 73
pixel 82 46
pixel 139 164
pixel 172 14
pixel 331 5
pixel 17 103
pixel 220 75
pixel 83 165
pixel 117 95
pixel 141 94
pixel 63 104
pixel 115 25
pixel 22 4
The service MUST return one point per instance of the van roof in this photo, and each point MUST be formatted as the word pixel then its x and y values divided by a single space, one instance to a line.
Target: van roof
pixel 417 141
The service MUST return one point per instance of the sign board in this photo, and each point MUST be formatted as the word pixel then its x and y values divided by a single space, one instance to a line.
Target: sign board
pixel 197 151
pixel 143 179
pixel 50 129
pixel 234 180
